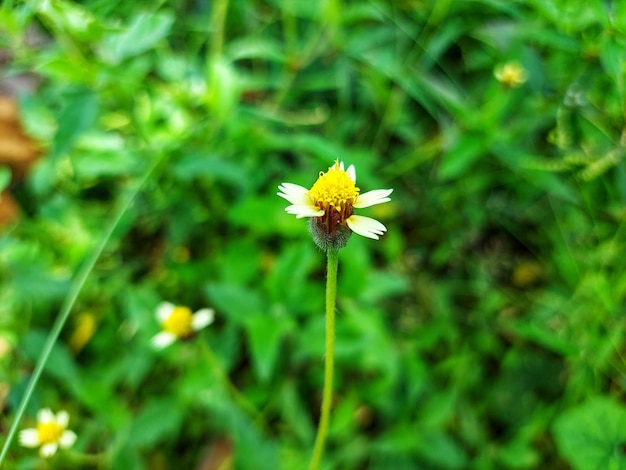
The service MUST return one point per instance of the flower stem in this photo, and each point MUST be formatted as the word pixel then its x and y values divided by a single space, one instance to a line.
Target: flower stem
pixel 331 294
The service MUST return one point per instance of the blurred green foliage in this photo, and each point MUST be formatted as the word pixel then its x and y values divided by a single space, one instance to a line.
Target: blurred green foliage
pixel 485 330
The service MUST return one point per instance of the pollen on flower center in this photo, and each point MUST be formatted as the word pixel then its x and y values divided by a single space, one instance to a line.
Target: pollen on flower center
pixel 179 322
pixel 49 433
pixel 335 189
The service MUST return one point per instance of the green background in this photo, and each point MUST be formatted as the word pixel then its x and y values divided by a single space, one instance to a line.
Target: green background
pixel 485 330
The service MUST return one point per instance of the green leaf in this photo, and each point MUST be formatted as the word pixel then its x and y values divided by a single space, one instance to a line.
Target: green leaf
pixel 385 284
pixel 618 15
pixel 445 92
pixel 543 335
pixel 60 363
pixel 158 419
pixel 60 67
pixel 144 32
pixel 236 301
pixel 210 167
pixel 288 280
pixel 253 451
pixel 241 262
pixel 103 155
pixel 465 151
pixel 592 436
pixel 612 56
pixel 547 181
pixel 519 454
pixel 325 149
pixel 260 214
pixel 78 114
pixel 225 88
pixel 442 450
pixel 71 18
pixel 265 333
pixel 5 177
pixel 294 412
pixel 256 47
pixel 127 458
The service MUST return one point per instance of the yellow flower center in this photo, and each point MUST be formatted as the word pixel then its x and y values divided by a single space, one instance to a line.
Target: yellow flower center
pixel 179 322
pixel 335 189
pixel 49 433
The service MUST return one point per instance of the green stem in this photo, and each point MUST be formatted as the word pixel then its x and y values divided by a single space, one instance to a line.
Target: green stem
pixel 331 294
pixel 68 304
pixel 218 18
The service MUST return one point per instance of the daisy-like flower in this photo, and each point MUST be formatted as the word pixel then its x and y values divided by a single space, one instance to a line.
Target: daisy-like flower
pixel 50 434
pixel 178 322
pixel 511 74
pixel 330 204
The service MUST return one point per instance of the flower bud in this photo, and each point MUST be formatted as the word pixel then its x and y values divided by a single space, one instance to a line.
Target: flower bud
pixel 329 239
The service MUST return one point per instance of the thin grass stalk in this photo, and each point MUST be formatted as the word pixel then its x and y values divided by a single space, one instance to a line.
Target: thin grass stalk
pixel 68 304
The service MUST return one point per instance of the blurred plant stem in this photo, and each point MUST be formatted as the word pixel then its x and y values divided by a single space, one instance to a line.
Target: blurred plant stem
pixel 240 400
pixel 218 17
pixel 329 362
pixel 290 29
pixel 70 300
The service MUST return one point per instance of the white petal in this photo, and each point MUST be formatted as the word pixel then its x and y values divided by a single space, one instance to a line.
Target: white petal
pixel 45 415
pixel 304 211
pixel 202 318
pixel 163 339
pixel 164 310
pixel 29 438
pixel 294 193
pixel 48 450
pixel 365 226
pixel 67 439
pixel 351 173
pixel 63 418
pixel 371 198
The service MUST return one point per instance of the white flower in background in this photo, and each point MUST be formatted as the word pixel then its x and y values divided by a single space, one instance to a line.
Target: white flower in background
pixel 331 202
pixel 178 322
pixel 50 434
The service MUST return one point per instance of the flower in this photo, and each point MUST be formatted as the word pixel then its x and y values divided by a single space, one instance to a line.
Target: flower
pixel 179 323
pixel 51 433
pixel 84 330
pixel 330 204
pixel 511 74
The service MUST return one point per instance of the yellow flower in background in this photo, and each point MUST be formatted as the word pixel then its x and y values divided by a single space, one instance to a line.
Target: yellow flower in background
pixel 84 329
pixel 511 74
pixel 330 204
pixel 50 434
pixel 177 322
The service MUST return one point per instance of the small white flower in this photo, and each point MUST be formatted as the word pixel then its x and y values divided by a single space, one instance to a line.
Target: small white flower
pixel 333 198
pixel 50 434
pixel 178 322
